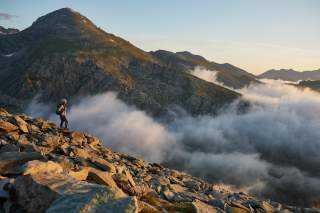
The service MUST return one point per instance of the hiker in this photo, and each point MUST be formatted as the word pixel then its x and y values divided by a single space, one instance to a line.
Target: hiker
pixel 62 112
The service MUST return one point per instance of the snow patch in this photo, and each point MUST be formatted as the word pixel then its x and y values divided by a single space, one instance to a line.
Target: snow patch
pixel 8 55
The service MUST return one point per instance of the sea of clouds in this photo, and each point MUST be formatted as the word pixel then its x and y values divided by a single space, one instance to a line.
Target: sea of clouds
pixel 272 151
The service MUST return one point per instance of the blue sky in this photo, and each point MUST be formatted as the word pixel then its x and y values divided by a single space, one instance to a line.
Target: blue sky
pixel 253 34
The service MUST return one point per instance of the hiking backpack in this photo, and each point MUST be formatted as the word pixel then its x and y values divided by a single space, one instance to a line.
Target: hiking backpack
pixel 59 109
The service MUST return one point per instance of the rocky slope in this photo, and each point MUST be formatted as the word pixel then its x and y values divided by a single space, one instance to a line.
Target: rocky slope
pixel 64 54
pixel 291 75
pixel 227 74
pixel 47 169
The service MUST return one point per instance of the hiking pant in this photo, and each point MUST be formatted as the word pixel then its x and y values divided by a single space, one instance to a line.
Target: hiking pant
pixel 63 119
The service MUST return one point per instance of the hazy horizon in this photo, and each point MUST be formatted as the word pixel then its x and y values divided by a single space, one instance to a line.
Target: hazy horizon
pixel 255 36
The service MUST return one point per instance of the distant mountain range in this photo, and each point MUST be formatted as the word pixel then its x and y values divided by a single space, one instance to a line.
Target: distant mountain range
pixel 64 54
pixel 7 31
pixel 290 75
pixel 227 74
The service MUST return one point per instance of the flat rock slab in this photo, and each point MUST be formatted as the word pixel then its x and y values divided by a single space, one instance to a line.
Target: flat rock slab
pixel 97 200
pixel 23 126
pixel 7 126
pixel 10 160
pixel 36 166
pixel 50 191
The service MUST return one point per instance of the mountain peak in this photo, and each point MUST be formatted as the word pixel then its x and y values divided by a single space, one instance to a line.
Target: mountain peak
pixel 66 9
pixel 59 18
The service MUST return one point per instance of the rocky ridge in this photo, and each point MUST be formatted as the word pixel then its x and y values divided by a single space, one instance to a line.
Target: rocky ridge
pixel 290 75
pixel 47 169
pixel 227 74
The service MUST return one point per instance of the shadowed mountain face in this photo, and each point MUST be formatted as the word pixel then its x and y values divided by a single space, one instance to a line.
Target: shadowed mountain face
pixel 291 75
pixel 314 85
pixel 228 74
pixel 65 54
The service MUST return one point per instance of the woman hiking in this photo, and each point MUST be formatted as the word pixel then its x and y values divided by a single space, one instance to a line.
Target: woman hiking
pixel 62 112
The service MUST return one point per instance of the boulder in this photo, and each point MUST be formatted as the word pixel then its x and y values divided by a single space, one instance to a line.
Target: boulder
pixel 6 126
pixel 79 175
pixel 77 138
pixel 217 203
pixel 66 163
pixel 33 128
pixel 13 135
pixel 177 188
pixel 45 126
pixel 94 141
pixel 36 166
pixel 193 184
pixel 169 195
pixel 105 178
pixel 9 161
pixel 147 208
pixel 201 207
pixel 35 193
pixel 191 196
pixel 125 181
pixel 65 148
pixel 122 205
pixel 166 206
pixel 57 192
pixel 236 210
pixel 25 144
pixel 268 207
pixel 102 164
pixel 78 152
pixel 50 140
pixel 163 181
pixel 23 126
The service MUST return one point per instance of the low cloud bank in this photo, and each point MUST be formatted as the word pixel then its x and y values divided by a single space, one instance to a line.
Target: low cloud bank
pixel 271 151
pixel 122 127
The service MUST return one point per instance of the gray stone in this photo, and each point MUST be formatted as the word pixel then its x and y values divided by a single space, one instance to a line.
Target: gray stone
pixel 57 192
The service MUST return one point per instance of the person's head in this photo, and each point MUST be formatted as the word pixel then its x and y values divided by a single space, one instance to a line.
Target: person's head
pixel 64 101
